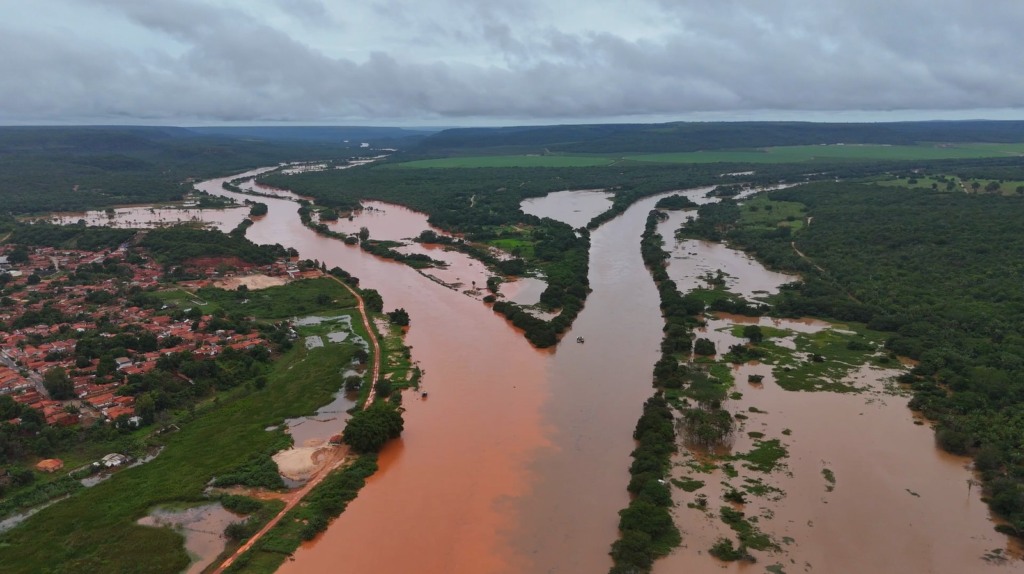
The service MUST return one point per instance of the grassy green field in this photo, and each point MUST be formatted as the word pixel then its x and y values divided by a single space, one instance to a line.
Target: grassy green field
pixel 510 161
pixel 759 211
pixel 281 302
pixel 784 154
pixel 791 154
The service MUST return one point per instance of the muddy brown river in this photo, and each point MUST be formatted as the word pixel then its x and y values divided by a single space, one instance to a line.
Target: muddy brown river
pixel 518 460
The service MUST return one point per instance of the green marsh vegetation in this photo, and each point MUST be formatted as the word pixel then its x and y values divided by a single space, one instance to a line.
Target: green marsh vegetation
pixel 939 272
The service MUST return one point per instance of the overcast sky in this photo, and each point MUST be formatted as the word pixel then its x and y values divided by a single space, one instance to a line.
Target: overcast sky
pixel 479 62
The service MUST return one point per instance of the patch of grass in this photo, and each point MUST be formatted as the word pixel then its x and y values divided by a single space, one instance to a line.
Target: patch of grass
pixel 306 297
pixel 750 536
pixel 767 332
pixel 702 467
pixel 507 161
pixel 765 457
pixel 397 367
pixel 688 484
pixel 830 478
pixel 757 487
pixel 759 211
pixel 841 349
pixel 730 470
pixel 808 153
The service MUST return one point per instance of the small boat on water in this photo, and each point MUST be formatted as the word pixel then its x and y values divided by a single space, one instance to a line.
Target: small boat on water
pixel 579 340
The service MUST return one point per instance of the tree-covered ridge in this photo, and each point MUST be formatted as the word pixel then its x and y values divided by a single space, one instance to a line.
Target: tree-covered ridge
pixel 943 273
pixel 77 168
pixel 69 236
pixel 693 136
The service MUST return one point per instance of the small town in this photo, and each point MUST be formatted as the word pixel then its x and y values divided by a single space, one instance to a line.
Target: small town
pixel 49 313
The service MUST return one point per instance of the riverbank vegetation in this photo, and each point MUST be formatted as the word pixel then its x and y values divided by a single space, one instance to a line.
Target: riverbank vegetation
pixel 921 265
pixel 705 136
pixel 646 527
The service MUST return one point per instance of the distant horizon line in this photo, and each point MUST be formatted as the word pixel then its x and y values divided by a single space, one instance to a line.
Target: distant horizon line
pixel 435 128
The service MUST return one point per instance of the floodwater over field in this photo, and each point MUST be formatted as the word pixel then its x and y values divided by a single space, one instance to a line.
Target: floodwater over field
pixel 523 290
pixel 518 461
pixel 576 208
pixel 389 222
pixel 224 219
pixel 203 529
pixel 863 488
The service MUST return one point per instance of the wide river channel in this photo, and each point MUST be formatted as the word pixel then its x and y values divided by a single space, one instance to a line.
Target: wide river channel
pixel 518 460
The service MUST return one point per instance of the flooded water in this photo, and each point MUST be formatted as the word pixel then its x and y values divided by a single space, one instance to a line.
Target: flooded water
pixel 895 503
pixel 523 290
pixel 518 461
pixel 203 529
pixel 442 490
pixel 576 208
pixel 224 219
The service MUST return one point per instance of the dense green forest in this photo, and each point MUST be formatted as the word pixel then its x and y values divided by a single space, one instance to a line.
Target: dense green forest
pixel 693 136
pixel 76 168
pixel 175 245
pixel 942 272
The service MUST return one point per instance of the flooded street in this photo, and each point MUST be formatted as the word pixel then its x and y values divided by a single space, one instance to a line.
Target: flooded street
pixel 518 461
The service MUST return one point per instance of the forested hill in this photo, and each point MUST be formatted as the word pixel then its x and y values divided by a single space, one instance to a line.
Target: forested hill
pixel 694 136
pixel 375 136
pixel 70 168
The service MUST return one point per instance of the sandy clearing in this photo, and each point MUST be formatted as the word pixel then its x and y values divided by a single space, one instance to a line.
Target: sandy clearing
pixel 257 281
pixel 300 463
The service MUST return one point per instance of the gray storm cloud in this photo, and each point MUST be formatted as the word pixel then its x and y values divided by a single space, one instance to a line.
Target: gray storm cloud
pixel 309 61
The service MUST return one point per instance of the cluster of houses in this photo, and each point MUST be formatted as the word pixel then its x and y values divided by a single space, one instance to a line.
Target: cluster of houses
pixel 28 353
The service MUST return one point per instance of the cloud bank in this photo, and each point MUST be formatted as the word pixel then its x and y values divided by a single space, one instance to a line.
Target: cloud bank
pixel 308 61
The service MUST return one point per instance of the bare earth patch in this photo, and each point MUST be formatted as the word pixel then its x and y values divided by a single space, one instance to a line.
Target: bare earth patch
pixel 257 281
pixel 301 463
